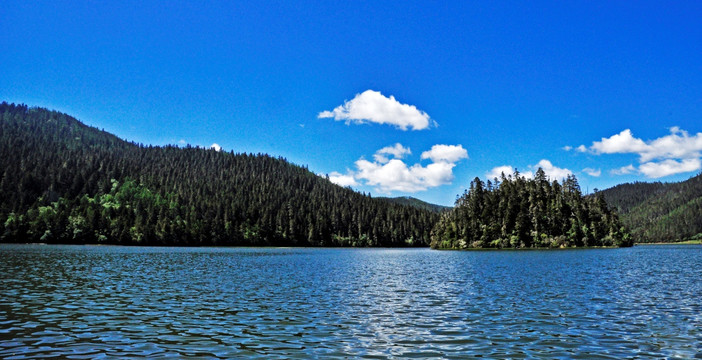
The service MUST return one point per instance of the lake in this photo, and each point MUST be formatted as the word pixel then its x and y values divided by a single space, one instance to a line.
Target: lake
pixel 85 302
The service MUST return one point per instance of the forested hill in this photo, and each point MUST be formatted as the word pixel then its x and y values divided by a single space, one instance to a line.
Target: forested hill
pixel 516 212
pixel 65 182
pixel 659 212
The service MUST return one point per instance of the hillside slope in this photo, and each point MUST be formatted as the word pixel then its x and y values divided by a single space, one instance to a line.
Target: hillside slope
pixel 659 212
pixel 408 200
pixel 63 181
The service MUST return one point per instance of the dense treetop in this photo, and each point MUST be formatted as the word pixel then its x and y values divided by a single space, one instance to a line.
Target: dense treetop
pixel 515 212
pixel 63 181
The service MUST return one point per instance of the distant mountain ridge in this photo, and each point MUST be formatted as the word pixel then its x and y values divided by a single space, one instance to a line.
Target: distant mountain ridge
pixel 659 212
pixel 65 182
pixel 411 201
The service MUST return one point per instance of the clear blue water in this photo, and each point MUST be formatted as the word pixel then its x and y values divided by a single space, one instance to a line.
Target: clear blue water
pixel 113 302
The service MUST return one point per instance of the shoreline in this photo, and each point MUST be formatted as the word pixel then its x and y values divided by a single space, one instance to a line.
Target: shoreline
pixel 533 249
pixel 686 242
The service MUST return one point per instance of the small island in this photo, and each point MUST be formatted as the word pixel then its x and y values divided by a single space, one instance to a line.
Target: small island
pixel 516 212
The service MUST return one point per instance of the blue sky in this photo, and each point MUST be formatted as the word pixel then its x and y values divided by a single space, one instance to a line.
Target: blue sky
pixel 338 85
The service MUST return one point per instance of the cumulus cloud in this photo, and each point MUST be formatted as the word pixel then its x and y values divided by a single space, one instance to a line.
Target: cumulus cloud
pixel 372 106
pixel 397 151
pixel 677 152
pixel 624 170
pixel 395 175
pixel 446 153
pixel 508 170
pixel 216 147
pixel 669 167
pixel 342 180
pixel 677 145
pixel 567 148
pixel 581 149
pixel 592 172
pixel 388 175
pixel 624 142
pixel 182 142
pixel 551 171
pixel 497 172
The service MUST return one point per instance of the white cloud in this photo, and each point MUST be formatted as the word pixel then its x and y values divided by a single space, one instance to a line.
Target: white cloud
pixel 446 153
pixel 581 149
pixel 497 172
pixel 675 153
pixel 388 175
pixel 216 147
pixel 624 142
pixel 669 167
pixel 372 106
pixel 397 151
pixel 624 170
pixel 677 145
pixel 553 172
pixel 342 180
pixel 508 170
pixel 182 142
pixel 592 172
pixel 567 148
pixel 395 175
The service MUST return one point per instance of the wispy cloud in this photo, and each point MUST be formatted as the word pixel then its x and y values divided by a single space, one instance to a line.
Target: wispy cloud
pixel 592 172
pixel 624 170
pixel 372 106
pixel 388 175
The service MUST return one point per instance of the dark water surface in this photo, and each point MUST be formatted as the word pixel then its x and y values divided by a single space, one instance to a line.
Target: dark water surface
pixel 87 302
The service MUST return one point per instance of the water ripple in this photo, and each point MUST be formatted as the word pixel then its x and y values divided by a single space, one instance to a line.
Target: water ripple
pixel 86 302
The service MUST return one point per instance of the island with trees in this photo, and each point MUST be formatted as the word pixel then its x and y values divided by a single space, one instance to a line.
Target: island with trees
pixel 516 212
